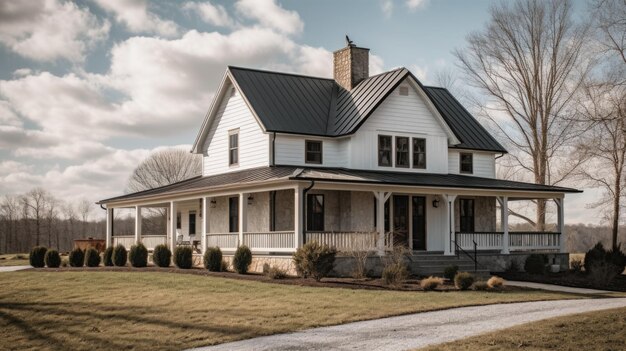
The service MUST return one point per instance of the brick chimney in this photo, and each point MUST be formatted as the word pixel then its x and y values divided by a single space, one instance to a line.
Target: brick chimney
pixel 351 65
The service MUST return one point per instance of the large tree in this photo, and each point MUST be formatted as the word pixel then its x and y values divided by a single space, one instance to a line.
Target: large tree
pixel 528 64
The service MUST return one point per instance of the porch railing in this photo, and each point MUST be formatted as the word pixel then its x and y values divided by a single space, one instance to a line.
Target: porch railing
pixel 343 241
pixel 126 240
pixel 270 241
pixel 225 241
pixel 518 241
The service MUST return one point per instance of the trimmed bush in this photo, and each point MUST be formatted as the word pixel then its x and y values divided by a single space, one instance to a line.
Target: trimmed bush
pixel 395 274
pixel 513 266
pixel 450 272
pixel 77 257
pixel 480 286
pixel 463 280
pixel 107 256
pixel 431 283
pixel 52 259
pixel 120 256
pixel 536 264
pixel 495 282
pixel 594 255
pixel 617 259
pixel 242 259
pixel 162 256
pixel 213 259
pixel 92 257
pixel 276 273
pixel 314 260
pixel 37 256
pixel 576 265
pixel 183 257
pixel 603 266
pixel 138 256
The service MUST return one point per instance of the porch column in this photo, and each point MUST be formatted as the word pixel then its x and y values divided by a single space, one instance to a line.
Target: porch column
pixel 450 226
pixel 109 234
pixel 381 199
pixel 560 204
pixel 504 218
pixel 205 220
pixel 297 217
pixel 137 224
pixel 243 216
pixel 173 216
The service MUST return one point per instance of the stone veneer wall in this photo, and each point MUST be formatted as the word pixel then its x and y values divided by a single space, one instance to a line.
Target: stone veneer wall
pixel 484 213
pixel 351 66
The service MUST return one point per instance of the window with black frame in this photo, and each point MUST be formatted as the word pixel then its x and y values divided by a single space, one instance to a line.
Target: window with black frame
pixel 313 151
pixel 402 152
pixel 467 163
pixel 419 153
pixel 466 214
pixel 192 223
pixel 315 212
pixel 233 214
pixel 233 148
pixel 384 151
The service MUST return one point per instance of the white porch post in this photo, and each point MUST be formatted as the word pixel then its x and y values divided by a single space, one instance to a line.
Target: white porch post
pixel 109 234
pixel 504 218
pixel 173 216
pixel 560 203
pixel 381 199
pixel 205 221
pixel 450 226
pixel 297 217
pixel 137 224
pixel 243 216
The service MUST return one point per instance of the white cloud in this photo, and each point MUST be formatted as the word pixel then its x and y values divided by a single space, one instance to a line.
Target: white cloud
pixel 211 14
pixel 271 15
pixel 21 72
pixel 136 16
pixel 415 5
pixel 46 30
pixel 421 72
pixel 387 7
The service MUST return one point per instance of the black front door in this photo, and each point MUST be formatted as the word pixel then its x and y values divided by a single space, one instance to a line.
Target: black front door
pixel 419 223
pixel 401 220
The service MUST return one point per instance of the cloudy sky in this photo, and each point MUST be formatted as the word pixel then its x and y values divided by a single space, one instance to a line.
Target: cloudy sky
pixel 89 88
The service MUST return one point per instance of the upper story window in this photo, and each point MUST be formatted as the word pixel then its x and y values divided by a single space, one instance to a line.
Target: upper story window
pixel 384 151
pixel 419 153
pixel 467 163
pixel 313 153
pixel 402 152
pixel 233 147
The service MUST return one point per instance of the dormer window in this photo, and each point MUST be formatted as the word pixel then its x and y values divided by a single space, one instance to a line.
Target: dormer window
pixel 384 151
pixel 313 151
pixel 233 147
pixel 467 163
pixel 402 152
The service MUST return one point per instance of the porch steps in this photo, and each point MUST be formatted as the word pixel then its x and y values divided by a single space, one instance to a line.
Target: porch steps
pixel 430 264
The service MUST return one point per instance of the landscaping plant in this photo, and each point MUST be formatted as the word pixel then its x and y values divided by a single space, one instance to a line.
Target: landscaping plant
pixel 495 282
pixel 120 256
pixel 395 274
pixel 576 265
pixel 536 263
pixel 450 272
pixel 603 266
pixel 77 257
pixel 138 256
pixel 513 266
pixel 92 257
pixel 463 280
pixel 213 259
pixel 107 256
pixel 314 260
pixel 162 256
pixel 52 259
pixel 183 257
pixel 224 267
pixel 276 273
pixel 242 259
pixel 37 255
pixel 431 283
pixel 480 285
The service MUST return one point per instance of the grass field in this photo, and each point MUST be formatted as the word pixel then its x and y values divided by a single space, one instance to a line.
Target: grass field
pixel 165 311
pixel 603 330
pixel 14 260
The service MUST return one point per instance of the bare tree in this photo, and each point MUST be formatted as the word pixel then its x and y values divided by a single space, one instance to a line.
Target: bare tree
pixel 610 20
pixel 529 64
pixel 10 211
pixel 84 208
pixel 164 168
pixel 35 203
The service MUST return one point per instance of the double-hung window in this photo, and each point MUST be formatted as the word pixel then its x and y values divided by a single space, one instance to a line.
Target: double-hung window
pixel 466 163
pixel 315 212
pixel 313 151
pixel 402 152
pixel 233 147
pixel 419 153
pixel 384 151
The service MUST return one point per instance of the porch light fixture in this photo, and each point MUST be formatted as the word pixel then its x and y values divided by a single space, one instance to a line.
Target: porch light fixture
pixel 250 200
pixel 436 202
pixel 213 203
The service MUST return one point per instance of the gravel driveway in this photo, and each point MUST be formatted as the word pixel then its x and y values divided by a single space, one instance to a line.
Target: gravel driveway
pixel 420 329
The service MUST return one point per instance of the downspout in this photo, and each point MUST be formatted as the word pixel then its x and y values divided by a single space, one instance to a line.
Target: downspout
pixel 304 211
pixel 501 155
pixel 273 158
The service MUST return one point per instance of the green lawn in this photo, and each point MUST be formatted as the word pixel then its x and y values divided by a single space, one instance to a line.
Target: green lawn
pixel 14 260
pixel 166 311
pixel 603 330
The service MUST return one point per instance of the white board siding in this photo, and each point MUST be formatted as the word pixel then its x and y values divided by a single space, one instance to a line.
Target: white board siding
pixel 233 113
pixel 401 116
pixel 484 163
pixel 289 150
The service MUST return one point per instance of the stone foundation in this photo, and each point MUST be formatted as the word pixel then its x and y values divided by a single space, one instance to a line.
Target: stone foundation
pixel 283 262
pixel 497 262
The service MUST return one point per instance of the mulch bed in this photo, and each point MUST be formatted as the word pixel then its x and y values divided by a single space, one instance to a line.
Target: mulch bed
pixel 575 280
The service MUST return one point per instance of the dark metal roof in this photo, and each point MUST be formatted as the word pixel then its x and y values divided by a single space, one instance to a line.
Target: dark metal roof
pixel 466 128
pixel 291 103
pixel 338 175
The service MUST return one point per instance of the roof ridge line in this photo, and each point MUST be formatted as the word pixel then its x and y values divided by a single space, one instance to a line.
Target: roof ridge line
pixel 279 72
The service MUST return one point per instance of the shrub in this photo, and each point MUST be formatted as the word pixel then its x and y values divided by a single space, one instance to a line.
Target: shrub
pixel 213 259
pixel 92 257
pixel 120 256
pixel 495 282
pixel 463 280
pixel 162 256
pixel 224 267
pixel 52 259
pixel 266 268
pixel 603 266
pixel 535 263
pixel 430 283
pixel 107 256
pixel 183 257
pixel 450 272
pixel 242 259
pixel 395 274
pixel 480 285
pixel 138 256
pixel 513 266
pixel 576 265
pixel 616 258
pixel 595 254
pixel 37 256
pixel 276 273
pixel 77 257
pixel 314 260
